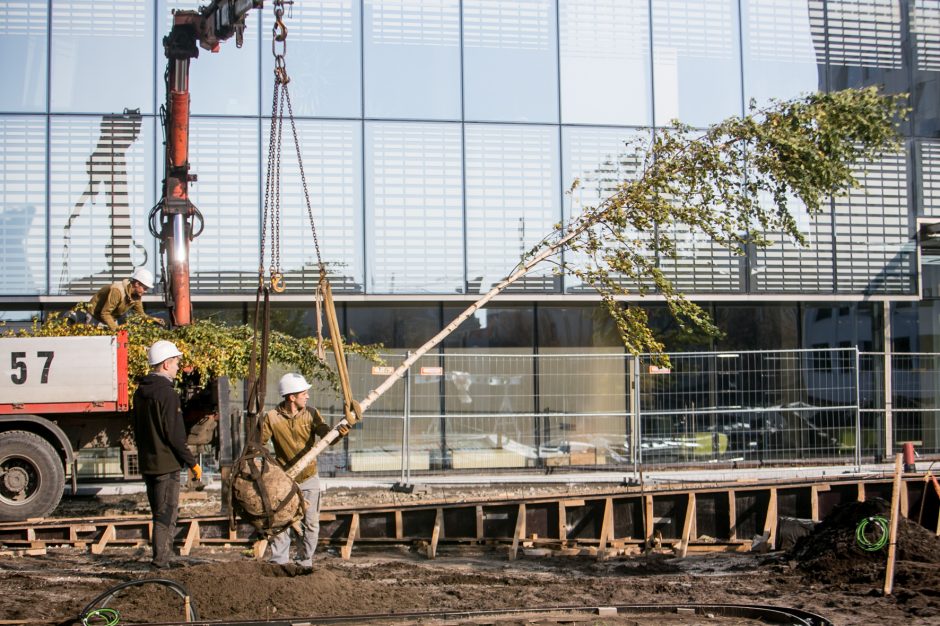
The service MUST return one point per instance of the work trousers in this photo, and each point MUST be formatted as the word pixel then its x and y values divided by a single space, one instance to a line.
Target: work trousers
pixel 280 544
pixel 163 493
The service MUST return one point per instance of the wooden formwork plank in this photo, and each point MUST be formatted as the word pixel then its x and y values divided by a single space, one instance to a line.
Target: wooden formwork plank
pixel 399 527
pixel 108 534
pixel 904 503
pixel 770 520
pixel 562 523
pixel 479 518
pixel 346 550
pixel 861 492
pixel 607 527
pixel 519 533
pixel 648 526
pixel 732 515
pixel 436 533
pixel 687 525
pixel 192 538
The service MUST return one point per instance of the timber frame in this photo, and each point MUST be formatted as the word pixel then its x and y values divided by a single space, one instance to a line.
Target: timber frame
pixel 730 517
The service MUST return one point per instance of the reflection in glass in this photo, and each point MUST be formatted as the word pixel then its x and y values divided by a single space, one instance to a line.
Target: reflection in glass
pixel 512 181
pixel 598 158
pixel 784 48
pixel 491 327
pixel 23 50
pixel 322 59
pixel 510 60
pixel 414 221
pixel 225 257
pixel 764 327
pixel 102 170
pixel 223 83
pixel 925 42
pixel 333 169
pixel 566 327
pixel 398 327
pixel 102 56
pixel 866 46
pixel 874 246
pixel 605 62
pixel 23 205
pixel 696 64
pixel 412 59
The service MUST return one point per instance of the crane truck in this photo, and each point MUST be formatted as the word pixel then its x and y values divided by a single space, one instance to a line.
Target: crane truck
pixel 62 394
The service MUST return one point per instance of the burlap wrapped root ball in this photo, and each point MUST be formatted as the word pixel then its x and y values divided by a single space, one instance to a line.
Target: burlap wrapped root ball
pixel 278 487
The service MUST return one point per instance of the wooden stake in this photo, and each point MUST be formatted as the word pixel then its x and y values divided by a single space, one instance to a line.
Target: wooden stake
pixel 436 533
pixel 346 550
pixel 519 533
pixel 895 513
pixel 687 526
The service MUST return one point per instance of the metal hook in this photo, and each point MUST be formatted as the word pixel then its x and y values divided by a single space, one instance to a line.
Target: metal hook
pixel 277 282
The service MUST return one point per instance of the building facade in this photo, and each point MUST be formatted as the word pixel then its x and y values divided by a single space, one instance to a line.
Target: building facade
pixel 439 140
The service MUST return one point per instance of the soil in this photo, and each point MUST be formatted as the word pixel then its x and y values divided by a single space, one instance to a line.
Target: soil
pixel 825 573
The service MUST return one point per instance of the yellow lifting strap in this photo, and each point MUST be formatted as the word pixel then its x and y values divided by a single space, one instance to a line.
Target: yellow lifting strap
pixel 350 406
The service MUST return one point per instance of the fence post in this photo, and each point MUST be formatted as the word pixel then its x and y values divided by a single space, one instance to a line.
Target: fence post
pixel 635 434
pixel 858 412
pixel 889 392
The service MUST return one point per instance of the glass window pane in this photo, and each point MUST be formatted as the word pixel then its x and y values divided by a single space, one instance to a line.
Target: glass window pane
pixel 491 327
pixel 510 60
pixel 222 83
pixel 23 50
pixel 875 248
pixel 22 205
pixel 599 158
pixel 605 62
pixel 414 221
pixel 565 327
pixel 102 55
pixel 225 257
pixel 696 65
pixel 512 202
pixel 101 172
pixel 763 327
pixel 397 327
pixel 412 58
pixel 333 168
pixel 322 59
pixel 925 92
pixel 784 48
pixel 928 174
pixel 865 45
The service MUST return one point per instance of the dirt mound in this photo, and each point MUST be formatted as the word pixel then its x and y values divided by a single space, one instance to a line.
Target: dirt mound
pixel 831 554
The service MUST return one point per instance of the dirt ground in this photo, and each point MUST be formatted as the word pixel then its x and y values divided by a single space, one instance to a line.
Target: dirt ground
pixel 826 573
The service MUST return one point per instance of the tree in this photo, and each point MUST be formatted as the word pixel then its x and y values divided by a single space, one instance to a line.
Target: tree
pixel 734 182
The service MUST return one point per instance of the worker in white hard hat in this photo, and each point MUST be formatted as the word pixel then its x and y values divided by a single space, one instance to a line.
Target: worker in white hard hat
pixel 157 419
pixel 293 428
pixel 114 301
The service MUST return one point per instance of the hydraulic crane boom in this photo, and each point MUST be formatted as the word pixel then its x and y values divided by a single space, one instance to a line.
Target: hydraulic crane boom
pixel 207 27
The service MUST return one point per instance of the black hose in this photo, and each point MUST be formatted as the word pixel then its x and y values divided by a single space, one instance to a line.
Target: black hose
pixel 106 597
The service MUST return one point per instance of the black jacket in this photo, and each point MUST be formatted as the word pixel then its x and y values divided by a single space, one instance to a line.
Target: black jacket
pixel 158 427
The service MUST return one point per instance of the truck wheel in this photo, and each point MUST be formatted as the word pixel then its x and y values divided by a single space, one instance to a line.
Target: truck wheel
pixel 31 476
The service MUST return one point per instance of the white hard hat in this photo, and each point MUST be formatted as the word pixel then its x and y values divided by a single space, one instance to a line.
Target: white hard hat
pixel 292 383
pixel 162 350
pixel 143 276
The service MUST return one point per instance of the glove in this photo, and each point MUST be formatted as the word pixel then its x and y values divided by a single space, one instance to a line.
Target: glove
pixel 195 472
pixel 343 430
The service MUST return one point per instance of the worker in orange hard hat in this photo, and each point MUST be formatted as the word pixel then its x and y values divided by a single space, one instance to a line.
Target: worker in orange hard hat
pixel 114 301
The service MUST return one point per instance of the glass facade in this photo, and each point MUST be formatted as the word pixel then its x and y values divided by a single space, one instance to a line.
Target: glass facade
pixel 439 140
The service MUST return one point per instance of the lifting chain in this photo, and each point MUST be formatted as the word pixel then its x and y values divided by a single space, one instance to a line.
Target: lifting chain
pixel 272 192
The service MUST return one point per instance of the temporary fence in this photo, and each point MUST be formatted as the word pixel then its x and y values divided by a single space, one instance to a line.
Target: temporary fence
pixel 472 411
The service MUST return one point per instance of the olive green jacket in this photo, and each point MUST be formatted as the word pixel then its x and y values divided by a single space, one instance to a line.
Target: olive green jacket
pixel 293 436
pixel 113 301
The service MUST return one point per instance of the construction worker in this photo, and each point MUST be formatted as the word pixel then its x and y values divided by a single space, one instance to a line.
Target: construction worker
pixel 157 420
pixel 115 300
pixel 293 428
